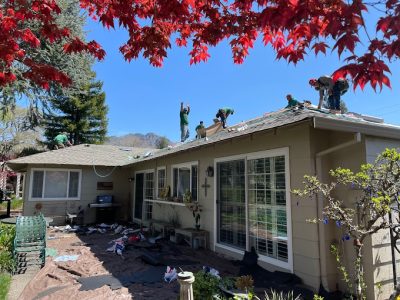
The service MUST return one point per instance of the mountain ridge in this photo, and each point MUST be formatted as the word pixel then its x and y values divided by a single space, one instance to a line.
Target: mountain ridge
pixel 148 140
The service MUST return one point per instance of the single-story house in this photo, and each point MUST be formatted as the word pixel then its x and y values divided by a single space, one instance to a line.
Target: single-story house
pixel 242 177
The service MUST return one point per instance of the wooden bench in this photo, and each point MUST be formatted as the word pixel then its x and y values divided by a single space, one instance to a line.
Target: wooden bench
pixel 158 225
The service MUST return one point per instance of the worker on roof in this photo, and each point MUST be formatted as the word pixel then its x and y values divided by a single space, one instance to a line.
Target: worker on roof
pixel 61 140
pixel 330 91
pixel 324 85
pixel 199 129
pixel 223 114
pixel 184 121
pixel 292 102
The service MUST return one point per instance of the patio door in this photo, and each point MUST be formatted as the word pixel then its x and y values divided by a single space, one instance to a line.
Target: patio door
pixel 139 196
pixel 231 203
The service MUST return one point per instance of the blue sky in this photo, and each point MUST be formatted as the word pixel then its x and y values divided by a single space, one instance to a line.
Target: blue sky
pixel 143 99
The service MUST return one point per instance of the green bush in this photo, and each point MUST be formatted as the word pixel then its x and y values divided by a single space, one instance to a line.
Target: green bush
pixel 7 234
pixel 205 286
pixel 5 280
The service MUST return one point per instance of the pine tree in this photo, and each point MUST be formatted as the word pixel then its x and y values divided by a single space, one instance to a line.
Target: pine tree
pixel 82 115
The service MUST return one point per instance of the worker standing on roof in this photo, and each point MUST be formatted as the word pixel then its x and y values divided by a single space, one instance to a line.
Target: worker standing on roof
pixel 184 112
pixel 199 129
pixel 292 102
pixel 223 114
pixel 61 140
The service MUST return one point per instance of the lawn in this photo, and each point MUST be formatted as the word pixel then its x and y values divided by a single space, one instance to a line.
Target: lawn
pixel 5 280
pixel 16 204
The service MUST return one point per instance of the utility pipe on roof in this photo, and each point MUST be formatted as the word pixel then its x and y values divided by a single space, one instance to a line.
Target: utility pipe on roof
pixel 321 235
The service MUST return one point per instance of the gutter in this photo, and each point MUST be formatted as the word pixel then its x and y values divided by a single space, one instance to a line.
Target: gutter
pixel 368 128
pixel 321 234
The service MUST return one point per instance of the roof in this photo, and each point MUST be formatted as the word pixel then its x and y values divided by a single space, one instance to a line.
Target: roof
pixel 107 155
pixel 350 122
pixel 83 155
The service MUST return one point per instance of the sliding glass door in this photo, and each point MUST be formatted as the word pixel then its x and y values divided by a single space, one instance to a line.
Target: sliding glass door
pixel 231 203
pixel 252 205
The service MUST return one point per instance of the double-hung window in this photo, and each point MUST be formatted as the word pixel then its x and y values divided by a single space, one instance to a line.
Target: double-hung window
pixel 184 179
pixel 55 184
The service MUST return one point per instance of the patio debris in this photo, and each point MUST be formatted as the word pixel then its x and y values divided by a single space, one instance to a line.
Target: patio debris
pixel 119 229
pixel 211 271
pixel 78 244
pixel 170 275
pixel 149 276
pixel 161 259
pixel 48 292
pixel 64 258
pixel 51 252
pixel 73 272
pixel 153 240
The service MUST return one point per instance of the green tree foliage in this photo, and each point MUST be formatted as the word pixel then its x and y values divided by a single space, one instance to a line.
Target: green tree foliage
pixel 162 142
pixel 77 66
pixel 378 187
pixel 82 115
pixel 15 133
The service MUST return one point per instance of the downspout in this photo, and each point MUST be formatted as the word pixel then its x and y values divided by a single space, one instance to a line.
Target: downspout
pixel 318 173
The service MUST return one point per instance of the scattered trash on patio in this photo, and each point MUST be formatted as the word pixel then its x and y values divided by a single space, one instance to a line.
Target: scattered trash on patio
pixel 64 258
pixel 51 252
pixel 211 271
pixel 170 275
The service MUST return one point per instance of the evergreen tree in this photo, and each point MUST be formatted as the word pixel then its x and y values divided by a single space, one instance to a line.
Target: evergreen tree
pixel 82 115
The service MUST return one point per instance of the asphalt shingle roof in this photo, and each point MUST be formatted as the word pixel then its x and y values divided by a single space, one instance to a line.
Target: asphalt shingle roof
pixel 84 155
pixel 107 155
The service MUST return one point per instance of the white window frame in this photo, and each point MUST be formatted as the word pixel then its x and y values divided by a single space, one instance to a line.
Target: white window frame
pixel 185 165
pixel 165 181
pixel 249 156
pixel 44 184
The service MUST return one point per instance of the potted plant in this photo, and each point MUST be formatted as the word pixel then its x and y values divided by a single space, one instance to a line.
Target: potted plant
pixel 194 207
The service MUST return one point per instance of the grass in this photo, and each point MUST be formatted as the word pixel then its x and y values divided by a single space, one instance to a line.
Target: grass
pixel 15 204
pixel 5 280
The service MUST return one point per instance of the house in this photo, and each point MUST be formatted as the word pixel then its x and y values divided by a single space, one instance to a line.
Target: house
pixel 242 178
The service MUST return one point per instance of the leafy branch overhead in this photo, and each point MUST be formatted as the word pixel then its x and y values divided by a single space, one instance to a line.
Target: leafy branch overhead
pixel 292 28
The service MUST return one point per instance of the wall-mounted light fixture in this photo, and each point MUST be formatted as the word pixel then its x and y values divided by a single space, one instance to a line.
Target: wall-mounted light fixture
pixel 210 171
pixel 130 179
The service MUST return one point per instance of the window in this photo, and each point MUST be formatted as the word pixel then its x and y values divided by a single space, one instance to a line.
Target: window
pixel 161 181
pixel 184 178
pixel 253 208
pixel 55 184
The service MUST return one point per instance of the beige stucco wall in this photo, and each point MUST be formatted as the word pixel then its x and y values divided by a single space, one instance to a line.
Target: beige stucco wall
pixel 378 257
pixel 376 253
pixel 58 208
pixel 304 234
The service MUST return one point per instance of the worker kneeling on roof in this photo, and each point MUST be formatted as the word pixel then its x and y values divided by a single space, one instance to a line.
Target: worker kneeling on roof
pixel 61 140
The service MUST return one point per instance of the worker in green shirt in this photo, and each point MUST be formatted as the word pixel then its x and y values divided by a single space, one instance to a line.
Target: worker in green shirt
pixel 292 102
pixel 223 114
pixel 184 112
pixel 198 129
pixel 61 140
